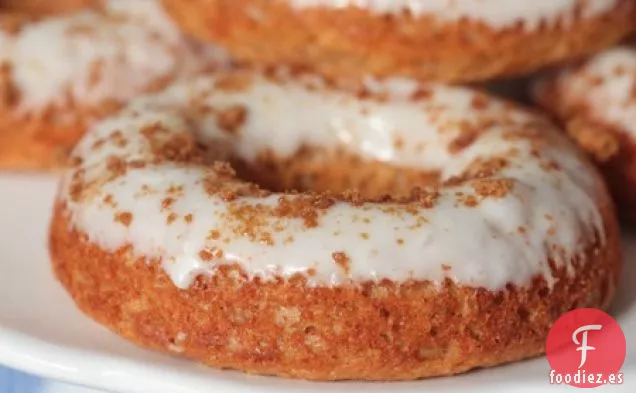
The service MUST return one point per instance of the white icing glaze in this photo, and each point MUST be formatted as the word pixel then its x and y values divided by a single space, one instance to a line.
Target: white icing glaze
pixel 495 13
pixel 87 58
pixel 605 86
pixel 482 246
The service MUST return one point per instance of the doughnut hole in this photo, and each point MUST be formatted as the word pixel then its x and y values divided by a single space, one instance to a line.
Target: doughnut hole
pixel 338 172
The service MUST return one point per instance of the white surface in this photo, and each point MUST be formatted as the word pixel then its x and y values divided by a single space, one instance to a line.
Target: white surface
pixel 41 331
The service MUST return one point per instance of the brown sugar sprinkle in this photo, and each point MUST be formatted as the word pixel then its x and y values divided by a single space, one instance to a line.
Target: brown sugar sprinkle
pixel 116 166
pixel 75 161
pixel 479 102
pixel 464 140
pixel 188 218
pixel 109 200
pixel 172 217
pixel 179 147
pixel 214 234
pixel 619 70
pixel 550 166
pixel 595 80
pixel 223 168
pixel 233 82
pixel 485 167
pixel 470 201
pixel 522 230
pixel 136 164
pixel 249 220
pixel 211 254
pixel 422 93
pixel 400 241
pixel 425 198
pixel 341 259
pixel 124 218
pixel 174 190
pixel 118 139
pixel 76 189
pixel 364 235
pixel 152 130
pixel 98 144
pixel 494 188
pixel 266 239
pixel 231 119
pixel 166 203
pixel 306 208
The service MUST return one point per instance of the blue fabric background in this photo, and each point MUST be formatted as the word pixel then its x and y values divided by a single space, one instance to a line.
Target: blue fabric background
pixel 17 382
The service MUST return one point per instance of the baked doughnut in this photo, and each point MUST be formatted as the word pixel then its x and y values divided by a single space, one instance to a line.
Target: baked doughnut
pixel 483 226
pixel 442 40
pixel 596 101
pixel 57 74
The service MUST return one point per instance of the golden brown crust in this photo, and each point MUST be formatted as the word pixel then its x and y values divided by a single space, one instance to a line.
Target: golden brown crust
pixel 350 42
pixel 375 331
pixel 35 144
pixel 611 148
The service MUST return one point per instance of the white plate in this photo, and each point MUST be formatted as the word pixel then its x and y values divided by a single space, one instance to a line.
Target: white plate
pixel 41 332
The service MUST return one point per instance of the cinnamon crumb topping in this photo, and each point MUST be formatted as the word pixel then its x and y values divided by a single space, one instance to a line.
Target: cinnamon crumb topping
pixel 425 198
pixel 479 101
pixel 470 201
pixel 494 188
pixel 188 218
pixel 214 235
pixel 464 140
pixel 124 218
pixel 306 208
pixel 234 82
pixel 118 139
pixel 211 254
pixel 341 259
pixel 166 203
pixel 172 217
pixel 109 200
pixel 422 93
pixel 231 119
pixel 223 168
pixel 116 166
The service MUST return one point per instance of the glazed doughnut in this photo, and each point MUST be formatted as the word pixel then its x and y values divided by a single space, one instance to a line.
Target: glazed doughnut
pixel 441 40
pixel 60 73
pixel 596 101
pixel 485 225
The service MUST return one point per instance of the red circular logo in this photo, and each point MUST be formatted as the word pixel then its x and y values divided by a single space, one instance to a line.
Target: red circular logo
pixel 586 348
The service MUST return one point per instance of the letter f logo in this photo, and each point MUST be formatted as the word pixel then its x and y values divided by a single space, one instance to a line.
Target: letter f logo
pixel 583 344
